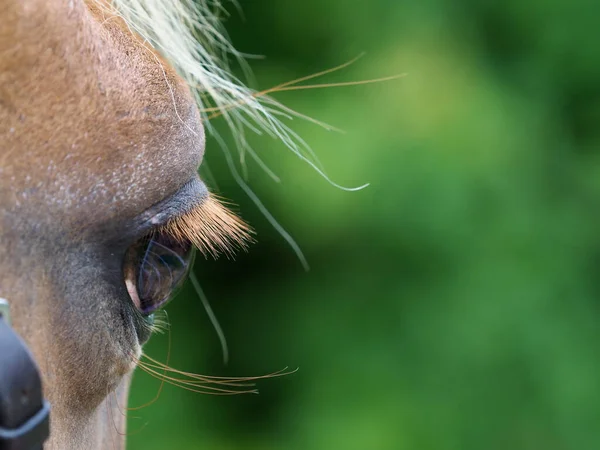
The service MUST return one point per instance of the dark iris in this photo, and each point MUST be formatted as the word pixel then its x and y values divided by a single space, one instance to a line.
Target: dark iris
pixel 157 265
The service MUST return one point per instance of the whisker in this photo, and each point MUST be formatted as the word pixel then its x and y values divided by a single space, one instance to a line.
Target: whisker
pixel 199 382
pixel 211 315
pixel 162 382
pixel 211 378
pixel 161 322
pixel 203 384
pixel 191 384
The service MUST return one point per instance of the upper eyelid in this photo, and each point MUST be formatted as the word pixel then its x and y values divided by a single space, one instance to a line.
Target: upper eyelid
pixel 189 196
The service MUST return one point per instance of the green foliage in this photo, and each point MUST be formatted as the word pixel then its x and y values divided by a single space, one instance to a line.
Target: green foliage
pixel 453 304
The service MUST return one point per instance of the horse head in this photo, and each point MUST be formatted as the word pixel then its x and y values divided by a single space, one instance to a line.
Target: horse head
pixel 100 202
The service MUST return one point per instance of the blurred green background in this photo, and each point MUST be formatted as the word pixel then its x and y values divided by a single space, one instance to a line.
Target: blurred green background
pixel 453 304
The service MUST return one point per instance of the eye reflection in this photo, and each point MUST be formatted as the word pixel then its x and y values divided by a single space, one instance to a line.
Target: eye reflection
pixel 155 268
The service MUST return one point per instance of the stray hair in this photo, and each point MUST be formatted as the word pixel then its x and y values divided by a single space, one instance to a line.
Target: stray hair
pixel 189 34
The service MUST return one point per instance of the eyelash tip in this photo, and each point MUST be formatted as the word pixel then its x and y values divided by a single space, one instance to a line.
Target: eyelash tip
pixel 212 228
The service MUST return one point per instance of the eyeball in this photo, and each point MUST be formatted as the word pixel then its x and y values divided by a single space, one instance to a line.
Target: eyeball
pixel 155 268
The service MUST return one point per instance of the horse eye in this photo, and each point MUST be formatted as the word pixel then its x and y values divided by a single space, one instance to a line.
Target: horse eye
pixel 155 267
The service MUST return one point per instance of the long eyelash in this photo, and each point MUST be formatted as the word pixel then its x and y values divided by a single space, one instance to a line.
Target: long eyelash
pixel 212 228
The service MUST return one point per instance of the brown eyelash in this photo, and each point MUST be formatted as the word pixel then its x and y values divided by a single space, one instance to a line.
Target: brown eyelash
pixel 212 228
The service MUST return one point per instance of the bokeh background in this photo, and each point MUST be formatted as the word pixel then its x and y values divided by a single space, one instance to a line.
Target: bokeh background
pixel 453 304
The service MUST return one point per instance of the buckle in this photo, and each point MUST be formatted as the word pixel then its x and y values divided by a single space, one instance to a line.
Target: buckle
pixel 30 435
pixel 24 414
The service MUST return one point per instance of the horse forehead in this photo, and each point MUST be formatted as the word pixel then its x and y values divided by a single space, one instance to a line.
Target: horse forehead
pixel 143 118
pixel 111 123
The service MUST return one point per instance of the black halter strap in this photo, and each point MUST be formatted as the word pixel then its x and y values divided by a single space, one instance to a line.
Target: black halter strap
pixel 24 414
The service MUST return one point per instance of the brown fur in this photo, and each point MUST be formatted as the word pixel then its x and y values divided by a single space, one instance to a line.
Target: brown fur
pixel 94 130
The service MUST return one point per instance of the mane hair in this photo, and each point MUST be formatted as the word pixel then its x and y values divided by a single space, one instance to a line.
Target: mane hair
pixel 189 34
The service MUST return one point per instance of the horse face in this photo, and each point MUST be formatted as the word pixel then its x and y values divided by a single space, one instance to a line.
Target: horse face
pixel 97 137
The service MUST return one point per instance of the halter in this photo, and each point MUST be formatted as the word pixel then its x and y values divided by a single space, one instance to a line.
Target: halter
pixel 24 414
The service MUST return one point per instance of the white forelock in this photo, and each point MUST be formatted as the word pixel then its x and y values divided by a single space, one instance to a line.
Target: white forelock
pixel 190 36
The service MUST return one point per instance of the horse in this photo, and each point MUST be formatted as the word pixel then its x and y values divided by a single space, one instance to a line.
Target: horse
pixel 101 204
pixel 104 106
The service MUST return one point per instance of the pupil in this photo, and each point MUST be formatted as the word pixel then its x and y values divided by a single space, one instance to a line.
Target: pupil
pixel 161 265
